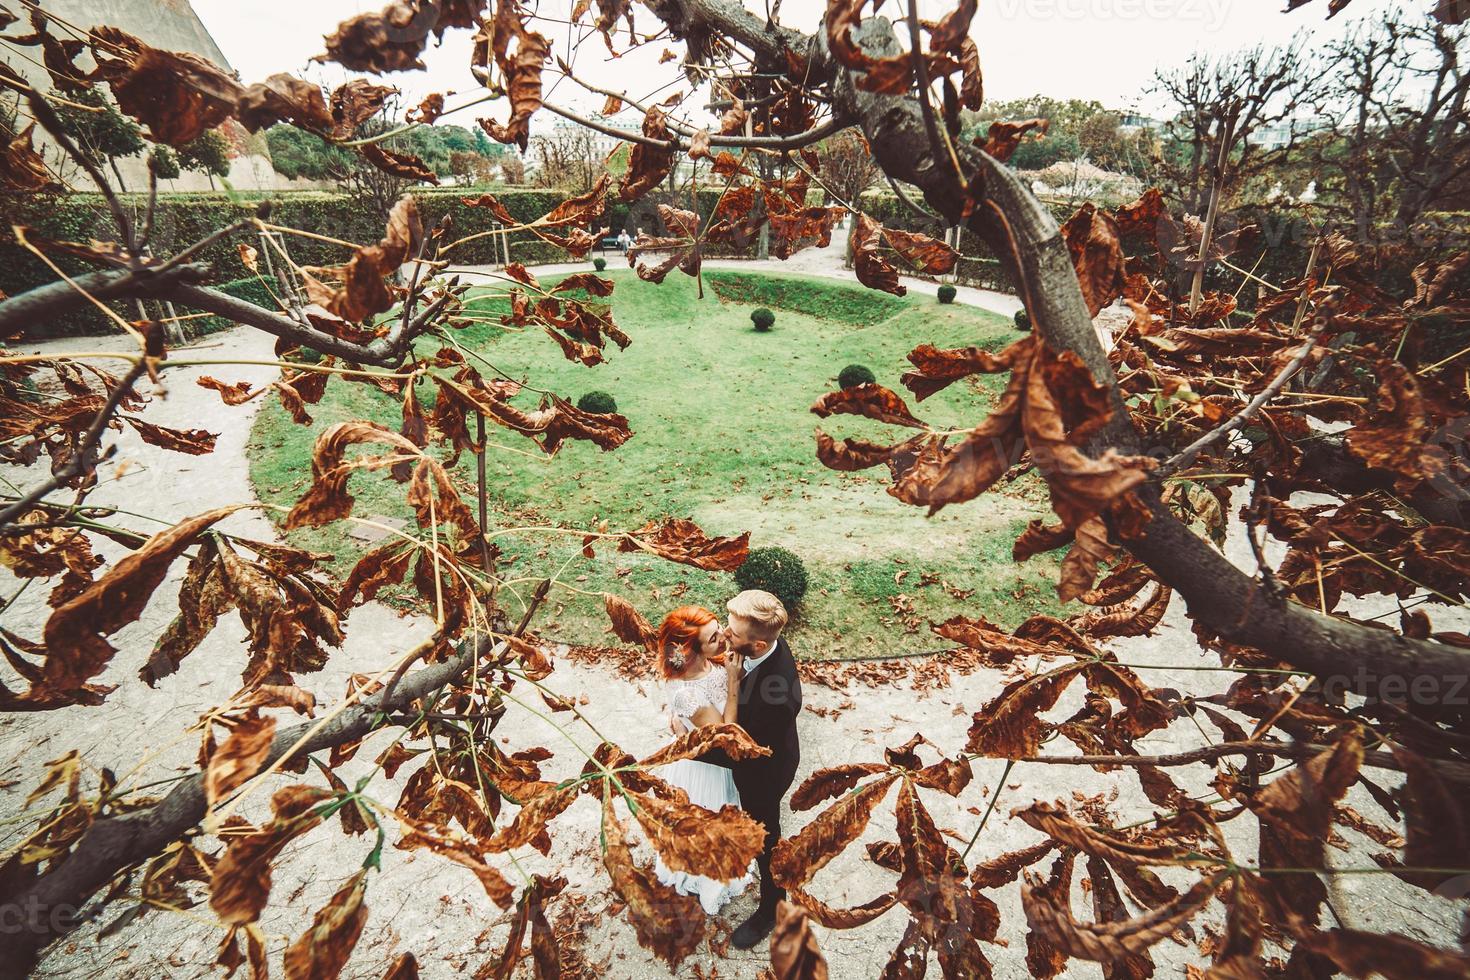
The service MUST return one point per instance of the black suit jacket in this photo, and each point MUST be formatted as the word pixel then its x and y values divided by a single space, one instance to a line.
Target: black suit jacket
pixel 770 700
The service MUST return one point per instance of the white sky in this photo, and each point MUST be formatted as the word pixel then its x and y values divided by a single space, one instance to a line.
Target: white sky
pixel 1094 49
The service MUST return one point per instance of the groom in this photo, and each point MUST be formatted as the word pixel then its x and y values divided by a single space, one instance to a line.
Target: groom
pixel 770 700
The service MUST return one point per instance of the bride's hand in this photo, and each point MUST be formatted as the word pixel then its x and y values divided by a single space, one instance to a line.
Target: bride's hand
pixel 734 668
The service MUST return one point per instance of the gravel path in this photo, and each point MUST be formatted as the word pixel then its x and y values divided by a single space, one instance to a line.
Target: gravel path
pixel 426 905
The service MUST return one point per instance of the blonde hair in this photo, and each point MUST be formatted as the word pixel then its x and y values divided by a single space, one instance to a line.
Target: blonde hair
pixel 761 608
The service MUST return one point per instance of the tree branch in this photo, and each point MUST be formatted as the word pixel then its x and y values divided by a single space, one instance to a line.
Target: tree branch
pixel 1344 656
pixel 1456 771
pixel 178 284
pixel 51 906
pixel 82 460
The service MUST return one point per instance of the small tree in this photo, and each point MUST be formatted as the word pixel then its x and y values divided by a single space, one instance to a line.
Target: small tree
pixel 513 169
pixel 102 134
pixel 164 163
pixel 208 154
pixel 1237 116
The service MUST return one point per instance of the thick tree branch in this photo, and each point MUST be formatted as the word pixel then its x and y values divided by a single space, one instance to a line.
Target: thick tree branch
pixel 1345 657
pixel 178 283
pixel 51 906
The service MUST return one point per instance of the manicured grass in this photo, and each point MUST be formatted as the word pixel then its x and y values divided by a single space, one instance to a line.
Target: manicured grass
pixel 819 298
pixel 723 433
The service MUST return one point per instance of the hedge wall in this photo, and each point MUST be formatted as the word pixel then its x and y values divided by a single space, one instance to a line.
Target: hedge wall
pixel 1281 243
pixel 185 218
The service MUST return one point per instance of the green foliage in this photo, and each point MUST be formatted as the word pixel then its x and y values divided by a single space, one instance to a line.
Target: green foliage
pixel 207 154
pixel 730 471
pixel 763 319
pixel 1038 154
pixel 1022 319
pixel 100 136
pixel 1076 127
pixel 854 375
pixel 947 293
pixel 297 153
pixel 774 570
pixel 599 263
pixel 824 300
pixel 598 403
pixel 164 162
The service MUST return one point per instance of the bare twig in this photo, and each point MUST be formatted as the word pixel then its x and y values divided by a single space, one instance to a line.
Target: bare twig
pixel 46 116
pixel 82 461
pixel 1187 455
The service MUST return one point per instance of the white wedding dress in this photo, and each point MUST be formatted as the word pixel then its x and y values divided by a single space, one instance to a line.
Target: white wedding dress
pixel 708 786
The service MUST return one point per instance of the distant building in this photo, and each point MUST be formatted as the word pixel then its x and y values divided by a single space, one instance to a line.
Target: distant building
pixel 1132 122
pixel 602 143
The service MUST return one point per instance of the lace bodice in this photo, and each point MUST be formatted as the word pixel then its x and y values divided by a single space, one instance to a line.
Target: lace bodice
pixel 687 697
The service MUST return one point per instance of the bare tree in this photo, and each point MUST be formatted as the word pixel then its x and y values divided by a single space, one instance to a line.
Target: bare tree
pixel 1244 108
pixel 848 166
pixel 1402 91
pixel 512 169
pixel 567 160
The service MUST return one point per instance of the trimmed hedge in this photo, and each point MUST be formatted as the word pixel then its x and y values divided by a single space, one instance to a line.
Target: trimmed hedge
pixel 181 219
pixel 598 403
pixel 854 375
pixel 763 319
pixel 599 263
pixel 774 570
pixel 252 290
pixel 823 299
pixel 947 293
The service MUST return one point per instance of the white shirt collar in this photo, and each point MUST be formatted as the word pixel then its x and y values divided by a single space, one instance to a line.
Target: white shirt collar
pixel 751 665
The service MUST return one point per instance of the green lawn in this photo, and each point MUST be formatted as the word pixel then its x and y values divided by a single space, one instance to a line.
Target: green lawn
pixel 723 433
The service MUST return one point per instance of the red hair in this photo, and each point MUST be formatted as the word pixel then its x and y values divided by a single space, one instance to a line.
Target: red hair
pixel 679 634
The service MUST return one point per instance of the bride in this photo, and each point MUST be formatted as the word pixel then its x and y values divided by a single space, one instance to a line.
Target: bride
pixel 691 646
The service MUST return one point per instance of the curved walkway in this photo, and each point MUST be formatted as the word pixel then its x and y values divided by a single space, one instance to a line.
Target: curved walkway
pixel 823 262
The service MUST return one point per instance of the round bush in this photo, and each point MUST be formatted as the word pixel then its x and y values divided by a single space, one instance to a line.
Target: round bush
pixel 854 375
pixel 776 571
pixel 597 403
pixel 946 293
pixel 1023 320
pixel 599 263
pixel 763 319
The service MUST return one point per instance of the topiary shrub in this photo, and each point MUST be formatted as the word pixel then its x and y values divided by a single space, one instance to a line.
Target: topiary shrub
pixel 946 293
pixel 763 319
pixel 776 571
pixel 599 263
pixel 597 403
pixel 854 375
pixel 1023 320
